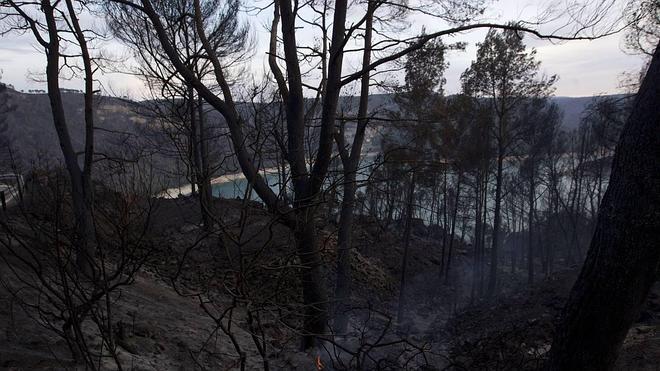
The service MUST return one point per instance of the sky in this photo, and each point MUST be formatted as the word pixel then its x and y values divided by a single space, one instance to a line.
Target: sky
pixel 584 67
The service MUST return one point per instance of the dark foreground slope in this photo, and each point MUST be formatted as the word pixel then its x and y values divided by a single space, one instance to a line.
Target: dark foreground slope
pixel 163 327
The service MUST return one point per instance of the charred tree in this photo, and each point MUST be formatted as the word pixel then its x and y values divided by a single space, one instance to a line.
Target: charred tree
pixel 56 28
pixel 505 75
pixel 623 258
pixel 406 243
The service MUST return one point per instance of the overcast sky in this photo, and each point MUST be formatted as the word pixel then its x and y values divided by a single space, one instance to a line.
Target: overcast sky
pixel 584 67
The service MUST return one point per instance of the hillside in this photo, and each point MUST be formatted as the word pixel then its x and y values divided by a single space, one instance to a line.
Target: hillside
pixel 163 326
pixel 33 136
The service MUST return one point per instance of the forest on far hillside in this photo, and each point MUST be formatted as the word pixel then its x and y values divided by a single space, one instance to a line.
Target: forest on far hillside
pixel 338 208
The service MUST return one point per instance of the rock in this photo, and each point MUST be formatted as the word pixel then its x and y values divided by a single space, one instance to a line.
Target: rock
pixel 187 228
pixel 129 345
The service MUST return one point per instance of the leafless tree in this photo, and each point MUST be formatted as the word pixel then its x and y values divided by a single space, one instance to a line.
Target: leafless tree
pixel 38 246
pixel 67 46
pixel 298 60
pixel 506 75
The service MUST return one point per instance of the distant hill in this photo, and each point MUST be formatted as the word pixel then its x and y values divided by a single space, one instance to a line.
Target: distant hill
pixel 572 107
pixel 32 134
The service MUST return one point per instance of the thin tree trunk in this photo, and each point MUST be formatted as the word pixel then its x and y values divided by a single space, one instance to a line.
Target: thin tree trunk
pixel 406 243
pixel 494 257
pixel 204 179
pixel 444 223
pixel 477 237
pixel 482 242
pixel 453 227
pixel 193 152
pixel 530 230
pixel 344 237
pixel 514 232
pixel 17 176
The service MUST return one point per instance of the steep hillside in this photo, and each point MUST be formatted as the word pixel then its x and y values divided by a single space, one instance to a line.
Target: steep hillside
pixel 32 134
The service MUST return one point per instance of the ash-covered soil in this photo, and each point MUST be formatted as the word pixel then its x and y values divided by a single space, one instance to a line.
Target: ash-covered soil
pixel 161 324
pixel 514 331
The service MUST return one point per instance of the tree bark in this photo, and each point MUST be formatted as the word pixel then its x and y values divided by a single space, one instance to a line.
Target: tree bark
pixel 194 160
pixel 313 291
pixel 530 229
pixel 492 282
pixel 623 258
pixel 81 192
pixel 476 270
pixel 453 226
pixel 406 244
pixel 343 289
pixel 344 241
pixel 204 176
pixel 443 255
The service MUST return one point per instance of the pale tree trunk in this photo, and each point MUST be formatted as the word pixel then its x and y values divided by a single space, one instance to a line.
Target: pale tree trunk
pixel 453 226
pixel 406 244
pixel 482 242
pixel 530 230
pixel 17 175
pixel 193 153
pixel 623 258
pixel 204 176
pixel 514 232
pixel 444 223
pixel 577 200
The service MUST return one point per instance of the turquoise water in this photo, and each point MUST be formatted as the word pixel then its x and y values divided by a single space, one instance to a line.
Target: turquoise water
pixel 236 188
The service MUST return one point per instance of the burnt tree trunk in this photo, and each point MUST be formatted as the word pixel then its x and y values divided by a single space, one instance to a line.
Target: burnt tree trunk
pixel 344 277
pixel 81 185
pixel 497 220
pixel 351 161
pixel 622 262
pixel 406 244
pixel 476 272
pixel 453 226
pixel 314 297
pixel 444 222
pixel 530 226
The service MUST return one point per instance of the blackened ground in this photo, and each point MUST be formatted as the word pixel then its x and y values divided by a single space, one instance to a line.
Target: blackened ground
pixel 166 331
pixel 515 331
